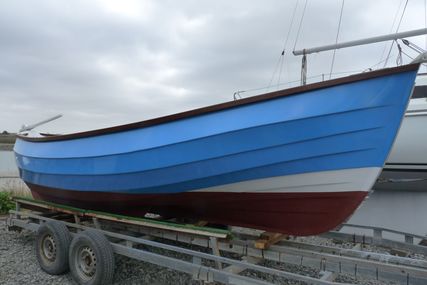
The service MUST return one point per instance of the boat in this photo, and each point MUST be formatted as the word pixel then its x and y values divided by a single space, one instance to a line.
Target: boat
pixel 297 161
pixel 406 167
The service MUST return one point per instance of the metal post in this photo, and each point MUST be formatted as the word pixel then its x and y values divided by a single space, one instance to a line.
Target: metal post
pixel 409 239
pixel 304 70
pixel 196 273
pixel 96 223
pixel 18 209
pixel 76 219
pixel 215 250
pixel 378 234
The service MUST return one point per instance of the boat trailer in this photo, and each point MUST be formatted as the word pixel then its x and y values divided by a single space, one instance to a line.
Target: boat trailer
pixel 85 242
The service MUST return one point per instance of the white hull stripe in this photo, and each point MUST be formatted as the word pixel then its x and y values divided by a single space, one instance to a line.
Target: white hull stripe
pixel 344 180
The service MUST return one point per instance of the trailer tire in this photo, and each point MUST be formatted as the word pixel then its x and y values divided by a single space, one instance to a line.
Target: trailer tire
pixel 52 244
pixel 91 258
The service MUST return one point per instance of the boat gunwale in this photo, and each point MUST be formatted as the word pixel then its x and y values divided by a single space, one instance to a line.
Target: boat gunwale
pixel 226 105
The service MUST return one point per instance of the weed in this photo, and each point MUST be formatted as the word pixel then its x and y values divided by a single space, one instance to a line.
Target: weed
pixel 6 202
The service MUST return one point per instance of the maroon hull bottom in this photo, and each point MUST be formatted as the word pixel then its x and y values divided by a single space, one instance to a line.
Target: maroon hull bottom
pixel 289 213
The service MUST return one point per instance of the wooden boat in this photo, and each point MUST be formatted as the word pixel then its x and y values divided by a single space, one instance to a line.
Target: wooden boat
pixel 406 167
pixel 296 161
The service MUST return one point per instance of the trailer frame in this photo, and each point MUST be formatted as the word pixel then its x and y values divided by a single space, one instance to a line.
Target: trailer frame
pixel 129 236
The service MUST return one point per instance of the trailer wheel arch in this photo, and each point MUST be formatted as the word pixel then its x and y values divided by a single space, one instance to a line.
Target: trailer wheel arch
pixel 51 245
pixel 91 258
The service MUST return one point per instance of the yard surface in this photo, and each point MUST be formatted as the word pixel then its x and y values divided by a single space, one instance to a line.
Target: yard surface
pixel 18 265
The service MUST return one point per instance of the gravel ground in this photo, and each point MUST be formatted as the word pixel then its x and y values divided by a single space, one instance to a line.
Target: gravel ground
pixel 316 240
pixel 18 265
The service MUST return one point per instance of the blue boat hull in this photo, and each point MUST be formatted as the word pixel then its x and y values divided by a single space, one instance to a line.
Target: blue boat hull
pixel 251 149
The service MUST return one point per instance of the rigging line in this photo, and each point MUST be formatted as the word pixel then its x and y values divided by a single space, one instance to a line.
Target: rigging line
pixel 397 29
pixel 292 23
pixel 300 23
pixel 274 73
pixel 281 67
pixel 407 54
pixel 391 29
pixel 376 64
pixel 286 42
pixel 336 39
pixel 295 81
pixel 281 56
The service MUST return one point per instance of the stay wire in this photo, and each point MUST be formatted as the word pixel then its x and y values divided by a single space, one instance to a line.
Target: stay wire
pixel 397 29
pixel 280 60
pixel 300 23
pixel 336 39
pixel 237 95
pixel 391 29
pixel 282 56
pixel 274 73
pixel 292 23
pixel 407 55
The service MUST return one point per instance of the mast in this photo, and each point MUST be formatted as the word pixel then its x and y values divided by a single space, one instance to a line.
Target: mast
pixel 421 58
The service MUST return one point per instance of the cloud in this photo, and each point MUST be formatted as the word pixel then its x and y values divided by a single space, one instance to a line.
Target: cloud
pixel 105 63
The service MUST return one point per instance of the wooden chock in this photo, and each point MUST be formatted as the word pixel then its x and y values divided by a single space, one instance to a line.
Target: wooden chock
pixel 267 239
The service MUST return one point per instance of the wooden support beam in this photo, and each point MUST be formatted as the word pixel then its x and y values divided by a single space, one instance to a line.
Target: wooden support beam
pixel 267 239
pixel 201 223
pixel 80 214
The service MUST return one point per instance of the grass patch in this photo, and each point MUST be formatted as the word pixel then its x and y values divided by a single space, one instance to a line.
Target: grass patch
pixel 12 188
pixel 6 202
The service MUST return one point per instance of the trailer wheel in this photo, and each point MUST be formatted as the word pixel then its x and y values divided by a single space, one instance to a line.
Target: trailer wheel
pixel 52 243
pixel 91 258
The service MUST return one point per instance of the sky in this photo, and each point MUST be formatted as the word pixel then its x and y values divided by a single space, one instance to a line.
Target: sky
pixel 106 63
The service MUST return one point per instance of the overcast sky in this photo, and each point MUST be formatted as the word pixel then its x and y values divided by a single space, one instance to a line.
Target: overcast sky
pixel 103 63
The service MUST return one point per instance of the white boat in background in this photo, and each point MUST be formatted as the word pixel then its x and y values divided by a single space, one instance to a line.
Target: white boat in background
pixel 406 167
